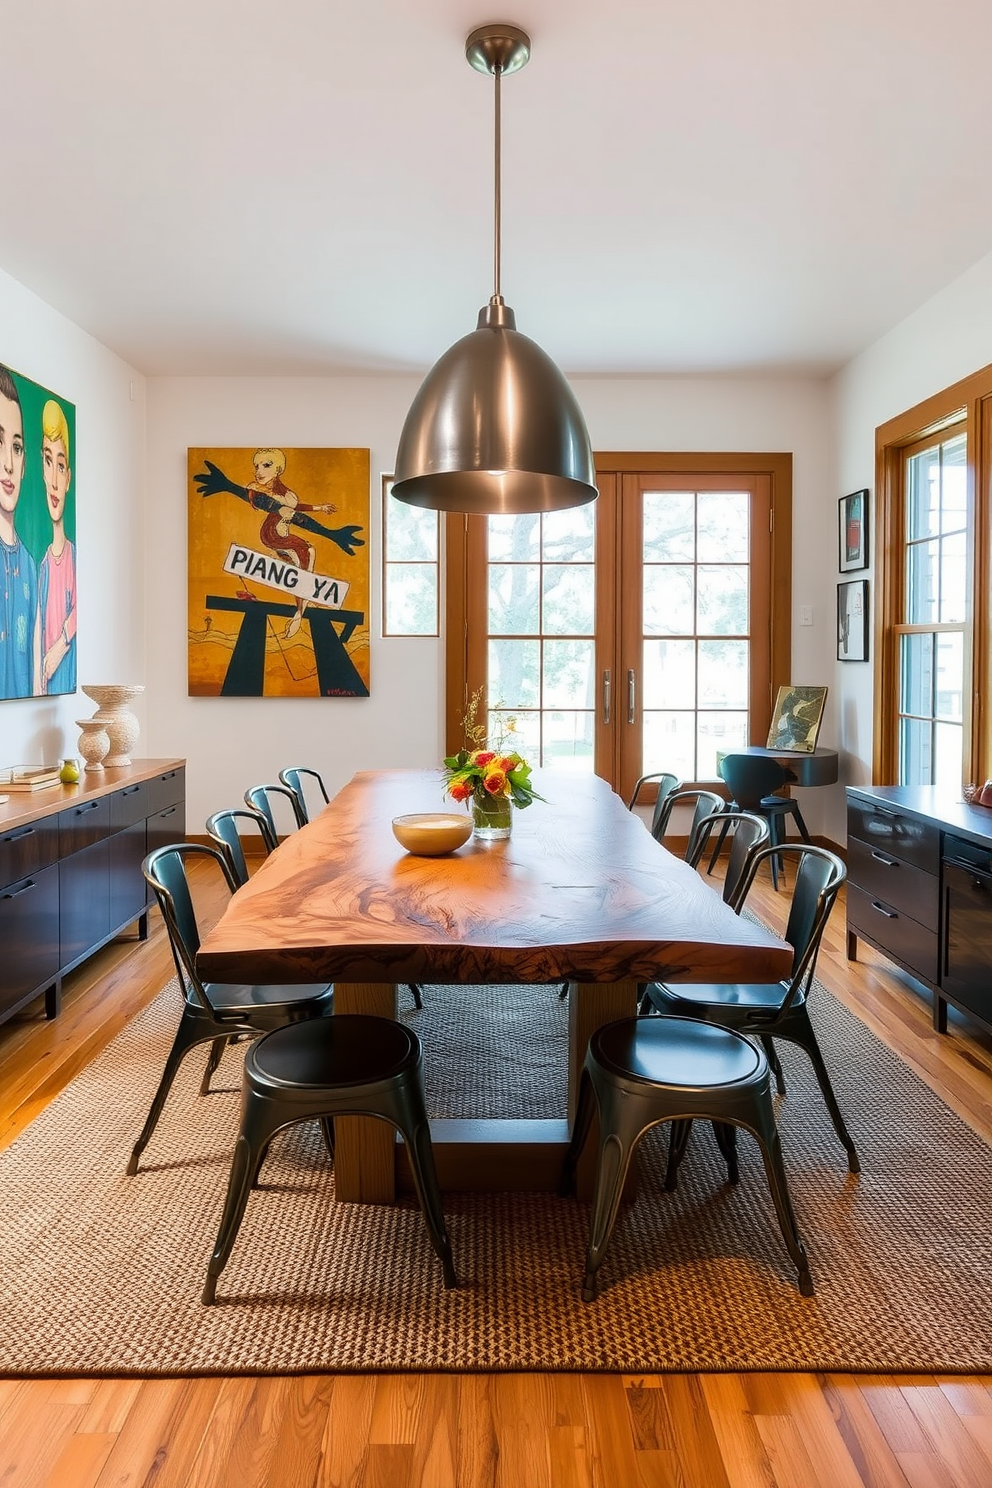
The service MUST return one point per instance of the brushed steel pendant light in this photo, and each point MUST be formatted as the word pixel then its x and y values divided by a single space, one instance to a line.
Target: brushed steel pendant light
pixel 495 427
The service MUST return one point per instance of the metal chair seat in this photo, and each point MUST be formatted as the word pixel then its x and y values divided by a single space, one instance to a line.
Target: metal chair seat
pixel 640 1072
pixel 243 1002
pixel 348 1065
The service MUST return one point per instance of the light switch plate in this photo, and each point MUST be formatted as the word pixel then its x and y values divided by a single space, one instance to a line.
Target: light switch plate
pixel 805 614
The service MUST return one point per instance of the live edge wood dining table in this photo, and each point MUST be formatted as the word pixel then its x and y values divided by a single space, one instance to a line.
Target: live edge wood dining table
pixel 580 892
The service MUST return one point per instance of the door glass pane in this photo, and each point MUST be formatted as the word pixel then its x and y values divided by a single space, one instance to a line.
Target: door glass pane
pixel 519 730
pixel 916 675
pixel 669 594
pixel 670 743
pixel 568 536
pixel 513 599
pixel 669 674
pixel 669 526
pixel 724 527
pixel 568 674
pixel 569 599
pixel 515 539
pixel 722 600
pixel 718 731
pixel 723 674
pixel 514 673
pixel 568 740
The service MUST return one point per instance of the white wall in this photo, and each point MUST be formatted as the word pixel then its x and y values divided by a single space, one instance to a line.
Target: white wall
pixel 233 743
pixel 943 341
pixel 108 475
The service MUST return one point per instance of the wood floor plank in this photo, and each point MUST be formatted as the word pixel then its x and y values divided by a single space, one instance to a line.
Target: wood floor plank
pixel 877 1463
pixel 696 1444
pixel 745 1459
pixel 296 1460
pixel 522 1412
pixel 947 1436
pixel 477 1438
pixel 81 1461
pixel 344 1453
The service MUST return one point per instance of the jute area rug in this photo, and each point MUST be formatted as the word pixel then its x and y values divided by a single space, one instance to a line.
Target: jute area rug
pixel 102 1273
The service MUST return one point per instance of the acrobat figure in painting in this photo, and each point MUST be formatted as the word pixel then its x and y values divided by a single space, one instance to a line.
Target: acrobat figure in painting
pixel 269 493
pixel 20 631
pixel 57 572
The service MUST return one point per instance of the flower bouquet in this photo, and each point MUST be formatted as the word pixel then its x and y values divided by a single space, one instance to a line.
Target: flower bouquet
pixel 493 781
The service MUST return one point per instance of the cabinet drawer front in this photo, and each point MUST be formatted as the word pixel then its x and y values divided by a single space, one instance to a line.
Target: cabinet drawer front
pixel 895 882
pixel 84 824
pixel 166 790
pixel 166 827
pixel 29 934
pixel 899 836
pixel 130 804
pixel 900 936
pixel 26 849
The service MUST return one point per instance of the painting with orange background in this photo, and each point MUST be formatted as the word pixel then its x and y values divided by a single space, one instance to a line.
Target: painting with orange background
pixel 278 597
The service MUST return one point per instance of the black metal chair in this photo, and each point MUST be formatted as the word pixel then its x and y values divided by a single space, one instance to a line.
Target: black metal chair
pixel 666 784
pixel 705 803
pixel 263 798
pixel 349 1065
pixel 223 828
pixel 213 1012
pixel 775 1009
pixel 640 1072
pixel 294 779
pixel 752 780
pixel 750 833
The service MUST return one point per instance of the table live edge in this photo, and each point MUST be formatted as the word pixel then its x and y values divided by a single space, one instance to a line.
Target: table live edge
pixel 579 892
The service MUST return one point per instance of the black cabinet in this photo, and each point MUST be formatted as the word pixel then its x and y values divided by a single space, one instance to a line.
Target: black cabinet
pixel 70 876
pixel 919 889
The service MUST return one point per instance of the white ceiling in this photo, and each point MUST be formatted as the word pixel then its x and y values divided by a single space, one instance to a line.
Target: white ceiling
pixel 250 186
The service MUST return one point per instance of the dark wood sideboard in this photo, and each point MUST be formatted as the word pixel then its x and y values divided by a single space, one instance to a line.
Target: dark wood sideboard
pixel 919 890
pixel 70 871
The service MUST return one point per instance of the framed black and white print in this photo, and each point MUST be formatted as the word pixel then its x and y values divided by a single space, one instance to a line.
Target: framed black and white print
pixel 852 620
pixel 854 531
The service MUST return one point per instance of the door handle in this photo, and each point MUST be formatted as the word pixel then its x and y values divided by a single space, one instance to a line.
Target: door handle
pixel 631 695
pixel 889 914
pixel 607 687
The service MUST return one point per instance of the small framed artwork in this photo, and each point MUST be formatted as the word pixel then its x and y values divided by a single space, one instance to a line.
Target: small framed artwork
pixel 854 531
pixel 852 620
pixel 796 719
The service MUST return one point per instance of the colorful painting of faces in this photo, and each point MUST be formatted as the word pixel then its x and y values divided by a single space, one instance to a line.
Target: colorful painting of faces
pixel 278 572
pixel 37 540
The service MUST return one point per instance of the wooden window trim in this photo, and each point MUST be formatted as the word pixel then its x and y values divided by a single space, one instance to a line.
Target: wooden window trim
pixel 967 403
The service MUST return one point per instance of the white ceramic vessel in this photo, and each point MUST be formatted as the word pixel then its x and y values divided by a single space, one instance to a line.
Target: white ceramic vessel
pixel 114 713
pixel 94 742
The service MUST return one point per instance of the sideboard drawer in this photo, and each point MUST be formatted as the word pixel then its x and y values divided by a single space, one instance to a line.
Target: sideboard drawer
pixel 26 849
pixel 166 790
pixel 896 882
pixel 911 944
pixel 82 825
pixel 130 805
pixel 29 934
pixel 894 834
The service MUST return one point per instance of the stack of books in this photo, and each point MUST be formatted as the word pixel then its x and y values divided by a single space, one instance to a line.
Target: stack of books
pixel 29 777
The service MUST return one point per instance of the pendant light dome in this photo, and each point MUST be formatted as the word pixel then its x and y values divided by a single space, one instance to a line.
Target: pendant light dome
pixel 495 427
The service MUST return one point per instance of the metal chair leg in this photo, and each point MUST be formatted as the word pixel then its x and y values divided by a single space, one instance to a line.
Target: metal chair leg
pixel 801 1032
pixel 678 1141
pixel 213 1060
pixel 188 1035
pixel 771 1054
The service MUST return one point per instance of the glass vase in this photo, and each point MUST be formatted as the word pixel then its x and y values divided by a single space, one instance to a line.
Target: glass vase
pixel 491 816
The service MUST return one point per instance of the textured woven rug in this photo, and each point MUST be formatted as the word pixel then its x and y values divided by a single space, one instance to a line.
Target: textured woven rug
pixel 102 1273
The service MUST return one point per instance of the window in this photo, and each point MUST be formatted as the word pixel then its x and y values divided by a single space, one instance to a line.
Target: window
pixel 643 632
pixel 410 567
pixel 933 610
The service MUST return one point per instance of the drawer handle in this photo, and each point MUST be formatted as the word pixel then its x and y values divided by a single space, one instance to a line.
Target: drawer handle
pixel 13 893
pixel 129 790
pixel 19 835
pixel 881 858
pixel 171 811
pixel 169 775
pixel 91 806
pixel 889 914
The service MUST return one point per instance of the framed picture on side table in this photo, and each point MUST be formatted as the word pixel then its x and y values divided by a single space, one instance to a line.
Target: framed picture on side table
pixel 852 620
pixel 854 531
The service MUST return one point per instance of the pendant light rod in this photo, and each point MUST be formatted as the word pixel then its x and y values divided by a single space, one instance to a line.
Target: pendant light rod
pixel 497 212
pixel 497 49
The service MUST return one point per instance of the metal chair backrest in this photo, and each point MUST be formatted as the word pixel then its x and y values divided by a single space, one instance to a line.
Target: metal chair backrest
pixel 294 779
pixel 666 784
pixel 706 803
pixel 749 833
pixel 819 875
pixel 165 873
pixel 261 797
pixel 750 777
pixel 223 828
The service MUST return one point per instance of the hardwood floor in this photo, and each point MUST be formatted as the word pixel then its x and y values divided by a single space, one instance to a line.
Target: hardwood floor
pixel 513 1431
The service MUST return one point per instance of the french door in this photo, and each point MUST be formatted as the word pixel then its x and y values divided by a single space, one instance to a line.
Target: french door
pixel 642 632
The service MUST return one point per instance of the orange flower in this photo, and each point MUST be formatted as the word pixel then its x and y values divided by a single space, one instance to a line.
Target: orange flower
pixel 507 763
pixel 495 782
pixel 482 757
pixel 460 791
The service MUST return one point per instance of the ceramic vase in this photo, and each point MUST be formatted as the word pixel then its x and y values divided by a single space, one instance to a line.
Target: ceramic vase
pixel 492 816
pixel 94 742
pixel 121 724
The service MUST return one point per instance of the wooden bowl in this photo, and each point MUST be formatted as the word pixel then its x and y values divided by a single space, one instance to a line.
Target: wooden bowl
pixel 427 834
